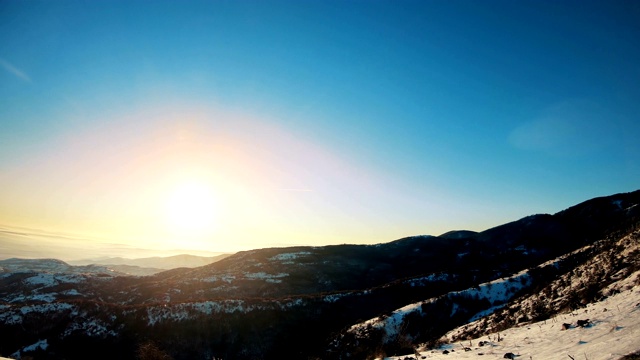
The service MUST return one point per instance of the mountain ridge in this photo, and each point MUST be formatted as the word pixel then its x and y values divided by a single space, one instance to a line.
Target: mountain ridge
pixel 260 303
pixel 158 262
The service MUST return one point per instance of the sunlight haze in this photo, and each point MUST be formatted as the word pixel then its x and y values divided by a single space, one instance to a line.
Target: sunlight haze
pixel 225 126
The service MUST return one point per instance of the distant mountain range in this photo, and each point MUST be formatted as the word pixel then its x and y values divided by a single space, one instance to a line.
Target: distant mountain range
pixel 333 302
pixel 27 243
pixel 151 265
pixel 14 265
pixel 111 266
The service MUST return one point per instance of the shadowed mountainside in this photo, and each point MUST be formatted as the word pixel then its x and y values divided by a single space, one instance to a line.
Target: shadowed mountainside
pixel 284 302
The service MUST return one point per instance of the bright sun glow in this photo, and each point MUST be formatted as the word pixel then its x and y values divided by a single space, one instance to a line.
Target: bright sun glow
pixel 192 209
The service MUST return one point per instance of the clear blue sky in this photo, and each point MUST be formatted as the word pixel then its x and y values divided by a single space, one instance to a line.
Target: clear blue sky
pixel 313 122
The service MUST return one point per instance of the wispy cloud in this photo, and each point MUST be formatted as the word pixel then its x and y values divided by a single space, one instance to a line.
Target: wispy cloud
pixel 14 70
pixel 571 128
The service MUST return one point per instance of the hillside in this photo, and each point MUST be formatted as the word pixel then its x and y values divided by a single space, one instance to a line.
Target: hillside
pixel 554 290
pixel 346 301
pixel 14 265
pixel 612 332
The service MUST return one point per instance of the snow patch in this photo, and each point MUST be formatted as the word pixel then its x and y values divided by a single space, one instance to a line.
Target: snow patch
pixel 614 332
pixel 180 312
pixel 71 292
pixel 289 256
pixel 496 292
pixel 93 328
pixel 43 297
pixel 42 345
pixel 47 279
pixel 225 277
pixel 43 308
pixel 41 279
pixel 264 276
pixel 422 281
pixel 501 290
pixel 334 297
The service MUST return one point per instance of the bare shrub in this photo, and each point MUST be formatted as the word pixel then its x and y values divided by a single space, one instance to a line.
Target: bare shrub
pixel 150 351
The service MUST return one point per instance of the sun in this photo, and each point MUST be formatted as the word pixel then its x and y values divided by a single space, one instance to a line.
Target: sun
pixel 191 209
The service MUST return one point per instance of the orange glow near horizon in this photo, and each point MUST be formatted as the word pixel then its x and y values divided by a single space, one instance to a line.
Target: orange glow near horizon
pixel 202 180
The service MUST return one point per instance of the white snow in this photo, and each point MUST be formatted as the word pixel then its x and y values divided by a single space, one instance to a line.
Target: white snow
pixel 179 312
pixel 501 290
pixel 41 308
pixel 291 303
pixel 69 278
pixel 334 297
pixel 615 332
pixel 289 256
pixel 264 276
pixel 43 297
pixel 42 344
pixel 95 328
pixel 224 277
pixel 486 312
pixel 423 281
pixel 496 292
pixel 42 279
pixel 13 314
pixel 71 292
pixel 10 318
pixel 48 279
pixel 186 311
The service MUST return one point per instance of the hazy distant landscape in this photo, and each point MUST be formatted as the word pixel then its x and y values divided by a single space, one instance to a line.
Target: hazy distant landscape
pixel 30 244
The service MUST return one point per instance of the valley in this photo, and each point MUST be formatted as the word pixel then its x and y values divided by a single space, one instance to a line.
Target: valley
pixel 417 295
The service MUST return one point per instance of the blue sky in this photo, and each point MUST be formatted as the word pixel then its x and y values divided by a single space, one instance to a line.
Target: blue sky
pixel 314 122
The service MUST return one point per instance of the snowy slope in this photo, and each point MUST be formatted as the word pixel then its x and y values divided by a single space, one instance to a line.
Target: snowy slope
pixel 497 292
pixel 613 333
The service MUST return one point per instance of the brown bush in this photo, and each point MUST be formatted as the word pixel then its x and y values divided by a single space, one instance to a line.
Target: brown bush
pixel 150 351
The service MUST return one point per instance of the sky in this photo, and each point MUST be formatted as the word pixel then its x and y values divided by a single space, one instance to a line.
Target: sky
pixel 233 125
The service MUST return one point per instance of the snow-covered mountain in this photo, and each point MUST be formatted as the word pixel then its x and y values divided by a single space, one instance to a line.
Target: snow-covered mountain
pixel 609 329
pixel 557 289
pixel 347 301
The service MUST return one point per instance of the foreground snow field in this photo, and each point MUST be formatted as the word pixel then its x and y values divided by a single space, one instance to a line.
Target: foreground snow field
pixel 614 331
